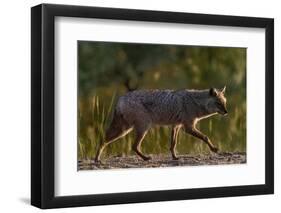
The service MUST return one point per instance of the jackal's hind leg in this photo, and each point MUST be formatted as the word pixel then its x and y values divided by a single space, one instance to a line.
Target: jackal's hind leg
pixel 196 133
pixel 174 136
pixel 100 149
pixel 112 134
pixel 138 140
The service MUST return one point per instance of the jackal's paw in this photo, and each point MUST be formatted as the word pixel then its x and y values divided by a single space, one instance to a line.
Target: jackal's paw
pixel 175 158
pixel 214 149
pixel 97 160
pixel 146 158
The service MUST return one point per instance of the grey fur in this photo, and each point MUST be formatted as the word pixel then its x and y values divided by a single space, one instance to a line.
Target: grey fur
pixel 142 109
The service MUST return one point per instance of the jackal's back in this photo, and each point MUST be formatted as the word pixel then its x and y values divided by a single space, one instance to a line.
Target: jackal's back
pixel 160 106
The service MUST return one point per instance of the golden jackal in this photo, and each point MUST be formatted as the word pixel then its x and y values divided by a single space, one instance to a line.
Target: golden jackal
pixel 141 109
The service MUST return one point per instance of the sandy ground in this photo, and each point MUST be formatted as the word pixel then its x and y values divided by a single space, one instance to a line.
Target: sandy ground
pixel 163 161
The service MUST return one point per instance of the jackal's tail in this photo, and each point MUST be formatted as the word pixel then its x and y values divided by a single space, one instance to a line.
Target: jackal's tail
pixel 117 129
pixel 118 125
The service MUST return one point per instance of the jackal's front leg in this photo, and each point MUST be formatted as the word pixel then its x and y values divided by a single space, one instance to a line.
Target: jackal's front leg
pixel 196 133
pixel 174 136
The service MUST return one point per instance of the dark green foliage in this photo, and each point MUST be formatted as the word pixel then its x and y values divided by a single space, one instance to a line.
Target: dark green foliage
pixel 101 64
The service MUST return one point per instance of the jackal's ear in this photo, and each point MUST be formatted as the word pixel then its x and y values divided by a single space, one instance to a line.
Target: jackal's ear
pixel 213 92
pixel 223 90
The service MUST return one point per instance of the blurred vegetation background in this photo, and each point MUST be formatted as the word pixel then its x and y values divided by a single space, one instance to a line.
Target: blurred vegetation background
pixel 107 70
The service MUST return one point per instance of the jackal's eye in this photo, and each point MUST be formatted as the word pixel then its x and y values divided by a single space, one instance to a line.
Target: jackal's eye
pixel 218 103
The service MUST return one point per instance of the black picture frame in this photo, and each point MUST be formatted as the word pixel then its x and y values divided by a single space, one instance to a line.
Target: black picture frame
pixel 43 102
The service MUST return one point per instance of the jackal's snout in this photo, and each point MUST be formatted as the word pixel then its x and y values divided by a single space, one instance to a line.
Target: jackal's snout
pixel 223 112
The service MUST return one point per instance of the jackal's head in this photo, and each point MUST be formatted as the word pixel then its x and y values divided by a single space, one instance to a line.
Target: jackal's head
pixel 217 101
